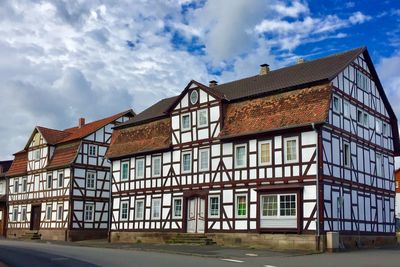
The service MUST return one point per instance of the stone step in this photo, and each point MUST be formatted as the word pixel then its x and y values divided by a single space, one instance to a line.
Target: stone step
pixel 195 239
pixel 32 235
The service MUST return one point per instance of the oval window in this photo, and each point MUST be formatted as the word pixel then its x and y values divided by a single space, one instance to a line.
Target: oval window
pixel 194 96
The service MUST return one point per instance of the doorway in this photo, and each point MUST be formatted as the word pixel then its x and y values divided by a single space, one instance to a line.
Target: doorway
pixel 35 218
pixel 195 215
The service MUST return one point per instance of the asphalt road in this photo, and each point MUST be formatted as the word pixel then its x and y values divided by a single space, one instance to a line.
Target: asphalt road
pixel 17 253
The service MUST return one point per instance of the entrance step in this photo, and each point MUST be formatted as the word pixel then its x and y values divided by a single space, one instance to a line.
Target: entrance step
pixel 31 235
pixel 194 239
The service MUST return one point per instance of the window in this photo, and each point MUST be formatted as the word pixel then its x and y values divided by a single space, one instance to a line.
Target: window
pixel 384 128
pixel 346 155
pixel 156 166
pixel 139 209
pixel 2 188
pixel 48 212
pixel 15 214
pixel 362 80
pixel 202 117
pixel 379 165
pixel 24 184
pixel 89 212
pixel 359 116
pixel 124 210
pixel 240 156
pixel 213 206
pixel 194 97
pixel 264 153
pixel 291 150
pixel 378 126
pixel 186 162
pixel 92 150
pixel 49 181
pixel 241 206
pixel 60 211
pixel 91 180
pixel 177 208
pixel 366 119
pixel 346 109
pixel 336 104
pixel 36 154
pixel 23 214
pixel 16 185
pixel 139 168
pixel 60 180
pixel 185 121
pixel 156 208
pixel 204 158
pixel 278 205
pixel 125 171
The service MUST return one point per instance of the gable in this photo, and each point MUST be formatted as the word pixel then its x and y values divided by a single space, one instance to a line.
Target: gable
pixel 203 97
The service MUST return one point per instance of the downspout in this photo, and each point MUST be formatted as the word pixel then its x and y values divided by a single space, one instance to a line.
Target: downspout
pixel 110 202
pixel 317 223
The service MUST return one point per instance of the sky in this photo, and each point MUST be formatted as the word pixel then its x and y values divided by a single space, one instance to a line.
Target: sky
pixel 65 59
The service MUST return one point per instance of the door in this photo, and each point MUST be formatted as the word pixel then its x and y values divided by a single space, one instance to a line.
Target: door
pixel 1 223
pixel 35 218
pixel 195 215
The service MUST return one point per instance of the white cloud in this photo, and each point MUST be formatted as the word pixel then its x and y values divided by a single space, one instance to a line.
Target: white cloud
pixel 294 10
pixel 358 18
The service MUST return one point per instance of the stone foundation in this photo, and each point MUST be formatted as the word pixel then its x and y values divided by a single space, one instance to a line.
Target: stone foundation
pixel 46 234
pixel 79 235
pixel 366 241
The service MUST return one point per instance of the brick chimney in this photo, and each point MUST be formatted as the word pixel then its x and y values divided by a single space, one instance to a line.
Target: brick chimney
pixel 264 69
pixel 300 60
pixel 212 83
pixel 81 122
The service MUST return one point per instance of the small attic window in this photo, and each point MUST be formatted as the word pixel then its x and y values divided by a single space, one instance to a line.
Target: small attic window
pixel 194 97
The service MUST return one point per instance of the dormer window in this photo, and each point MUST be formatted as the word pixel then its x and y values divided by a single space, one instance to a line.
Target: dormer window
pixel 185 121
pixel 202 117
pixel 36 154
pixel 194 97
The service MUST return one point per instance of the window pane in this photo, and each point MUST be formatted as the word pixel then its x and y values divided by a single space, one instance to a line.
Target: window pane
pixel 214 206
pixel 204 160
pixel 291 147
pixel 185 121
pixel 177 207
pixel 186 162
pixel 265 153
pixel 269 206
pixel 287 205
pixel 203 117
pixel 241 206
pixel 240 156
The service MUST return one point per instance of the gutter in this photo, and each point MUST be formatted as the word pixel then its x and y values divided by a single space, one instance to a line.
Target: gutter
pixel 317 223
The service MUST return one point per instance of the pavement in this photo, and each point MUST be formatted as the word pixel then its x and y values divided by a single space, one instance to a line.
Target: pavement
pixel 101 253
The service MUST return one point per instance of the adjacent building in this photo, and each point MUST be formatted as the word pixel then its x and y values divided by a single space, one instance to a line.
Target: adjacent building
pixel 301 151
pixel 4 166
pixel 397 175
pixel 59 184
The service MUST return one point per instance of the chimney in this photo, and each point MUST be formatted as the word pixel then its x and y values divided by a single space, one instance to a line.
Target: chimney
pixel 264 69
pixel 212 83
pixel 81 122
pixel 300 60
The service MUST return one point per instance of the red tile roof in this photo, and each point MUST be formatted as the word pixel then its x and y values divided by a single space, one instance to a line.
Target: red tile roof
pixel 52 136
pixel 19 165
pixel 64 154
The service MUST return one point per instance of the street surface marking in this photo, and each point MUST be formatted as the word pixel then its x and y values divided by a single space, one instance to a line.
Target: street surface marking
pixel 269 266
pixel 232 260
pixel 251 255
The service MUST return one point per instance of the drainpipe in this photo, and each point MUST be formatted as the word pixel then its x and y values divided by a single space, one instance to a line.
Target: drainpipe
pixel 317 226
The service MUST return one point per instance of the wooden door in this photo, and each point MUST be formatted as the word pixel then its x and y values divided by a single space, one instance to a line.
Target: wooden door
pixel 195 218
pixel 35 218
pixel 2 223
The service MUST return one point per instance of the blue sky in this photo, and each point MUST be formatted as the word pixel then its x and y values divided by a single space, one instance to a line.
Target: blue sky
pixel 61 60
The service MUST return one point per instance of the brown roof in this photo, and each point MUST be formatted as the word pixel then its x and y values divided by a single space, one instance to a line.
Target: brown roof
pixel 52 136
pixel 19 164
pixel 4 166
pixel 284 110
pixel 155 135
pixel 64 154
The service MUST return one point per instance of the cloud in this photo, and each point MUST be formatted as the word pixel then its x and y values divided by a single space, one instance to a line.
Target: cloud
pixel 294 10
pixel 358 18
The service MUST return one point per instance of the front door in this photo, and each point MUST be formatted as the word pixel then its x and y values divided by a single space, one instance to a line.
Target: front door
pixel 1 223
pixel 35 218
pixel 195 215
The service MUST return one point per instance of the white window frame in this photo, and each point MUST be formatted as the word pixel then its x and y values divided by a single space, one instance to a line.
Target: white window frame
pixel 24 215
pixel 49 175
pixel 153 169
pixel 60 178
pixel 2 188
pixel 346 109
pixel 210 215
pixel 205 124
pixel 260 143
pixel 379 165
pixel 15 215
pixel 346 155
pixel 190 162
pixel 137 174
pixel 137 211
pixel 295 138
pixel 36 154
pixel 366 117
pixel 244 165
pixel 237 206
pixel 174 216
pixel 153 208
pixel 86 210
pixel 16 186
pixel 360 120
pixel 123 202
pixel 124 163
pixel 336 109
pixel 378 125
pixel 201 160
pixel 49 212
pixel 278 212
pixel 363 81
pixel 60 212
pixel 91 177
pixel 384 128
pixel 24 185
pixel 190 121
pixel 92 150
pixel 194 92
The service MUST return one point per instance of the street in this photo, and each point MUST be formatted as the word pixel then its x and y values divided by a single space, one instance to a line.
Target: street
pixel 18 253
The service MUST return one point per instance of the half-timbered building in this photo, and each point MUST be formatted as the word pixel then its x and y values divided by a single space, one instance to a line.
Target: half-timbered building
pixel 397 209
pixel 296 152
pixel 59 184
pixel 4 166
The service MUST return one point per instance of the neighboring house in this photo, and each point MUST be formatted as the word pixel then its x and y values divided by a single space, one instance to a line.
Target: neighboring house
pixel 59 184
pixel 4 166
pixel 304 149
pixel 397 174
